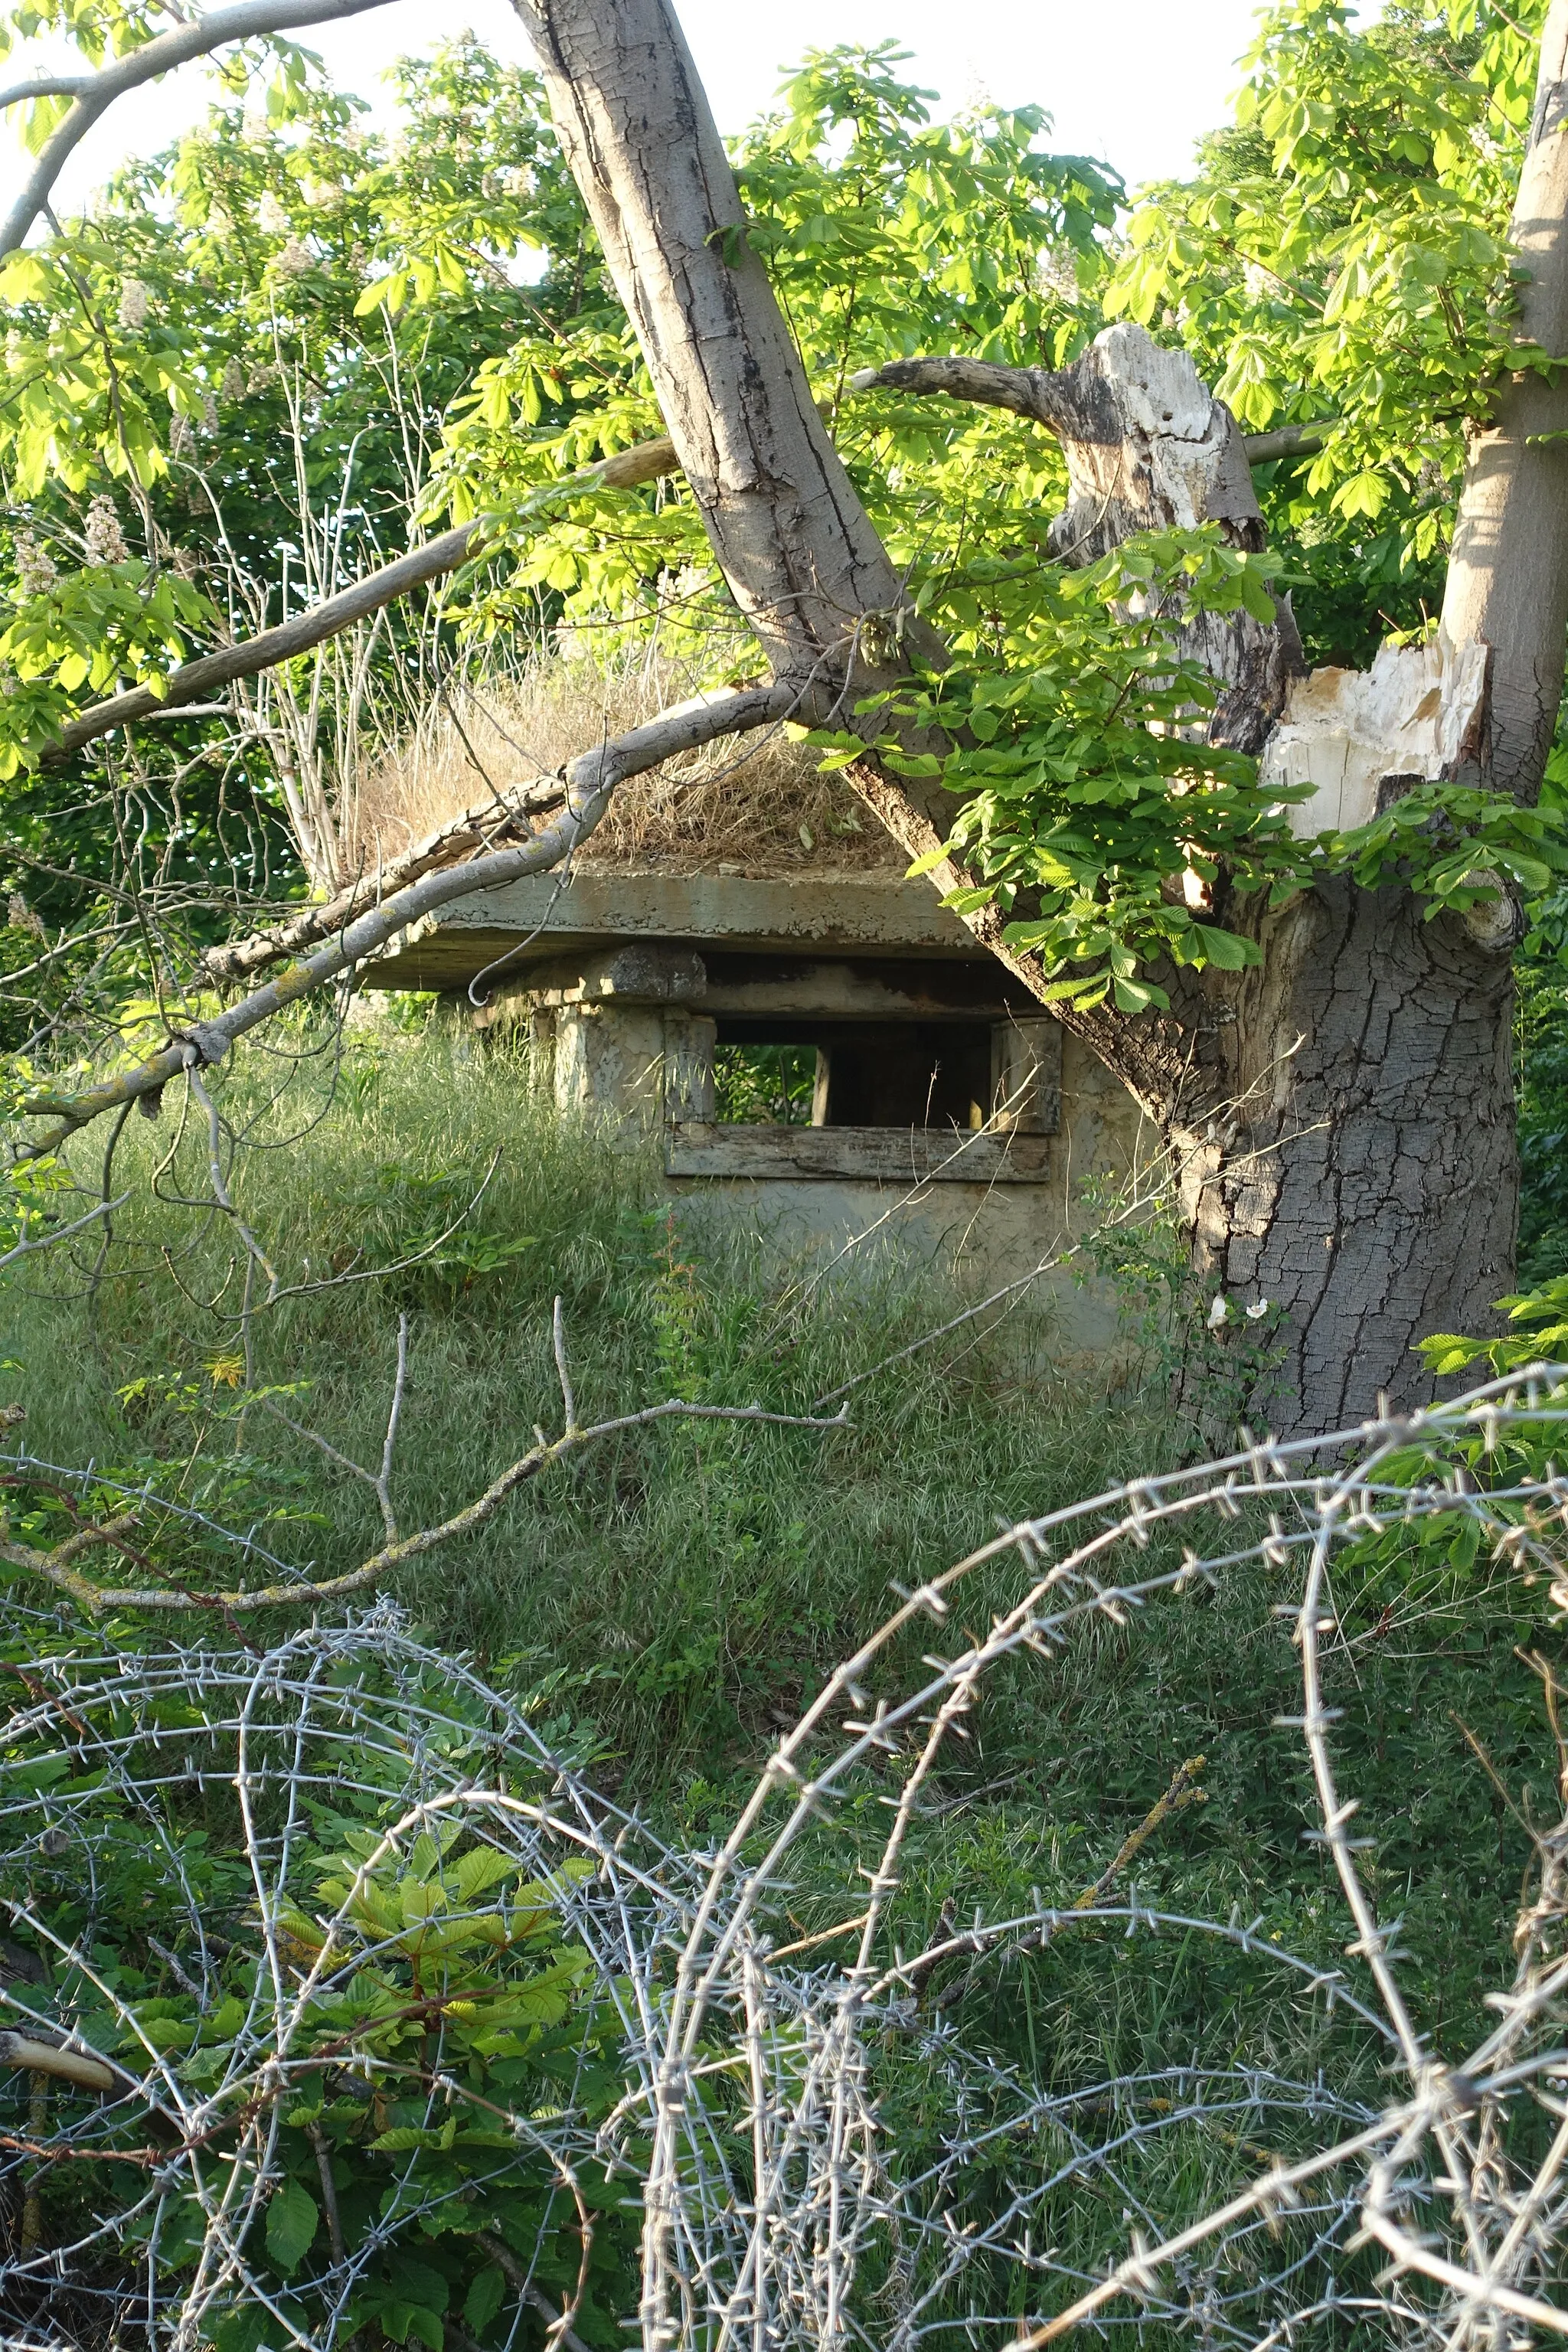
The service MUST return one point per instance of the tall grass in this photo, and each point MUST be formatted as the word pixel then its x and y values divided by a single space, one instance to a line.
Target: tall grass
pixel 687 1587
pixel 698 1577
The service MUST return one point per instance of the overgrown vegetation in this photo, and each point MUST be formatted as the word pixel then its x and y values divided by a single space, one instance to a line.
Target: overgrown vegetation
pixel 687 1588
pixel 694 1583
pixel 659 1612
pixel 272 356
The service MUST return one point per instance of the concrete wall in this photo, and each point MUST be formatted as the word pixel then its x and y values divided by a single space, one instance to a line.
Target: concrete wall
pixel 854 1195
pixel 988 1233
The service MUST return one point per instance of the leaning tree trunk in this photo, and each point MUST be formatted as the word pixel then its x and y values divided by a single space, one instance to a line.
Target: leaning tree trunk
pixel 1508 577
pixel 1343 1118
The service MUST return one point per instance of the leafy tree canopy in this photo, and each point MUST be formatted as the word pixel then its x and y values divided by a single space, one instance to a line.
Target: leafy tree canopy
pixel 272 351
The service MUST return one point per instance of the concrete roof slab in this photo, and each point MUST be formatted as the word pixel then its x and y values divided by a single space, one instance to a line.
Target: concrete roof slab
pixel 869 917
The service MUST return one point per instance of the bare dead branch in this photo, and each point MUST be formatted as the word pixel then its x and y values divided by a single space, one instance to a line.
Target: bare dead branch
pixel 591 780
pixel 558 1346
pixel 478 829
pixel 57 1567
pixel 95 92
pixel 58 1233
pixel 1038 392
pixel 379 1480
pixel 1183 1791
pixel 65 2066
pixel 194 681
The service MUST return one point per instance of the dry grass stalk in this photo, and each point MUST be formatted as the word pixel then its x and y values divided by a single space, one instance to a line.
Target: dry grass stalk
pixel 757 806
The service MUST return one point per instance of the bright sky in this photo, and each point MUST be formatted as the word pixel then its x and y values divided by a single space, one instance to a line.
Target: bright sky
pixel 1133 81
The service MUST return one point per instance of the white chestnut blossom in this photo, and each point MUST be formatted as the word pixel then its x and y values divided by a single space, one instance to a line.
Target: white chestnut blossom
pixel 35 570
pixel 103 537
pixel 135 306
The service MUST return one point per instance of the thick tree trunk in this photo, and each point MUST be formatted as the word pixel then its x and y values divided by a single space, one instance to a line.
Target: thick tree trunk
pixel 1345 1117
pixel 1364 1177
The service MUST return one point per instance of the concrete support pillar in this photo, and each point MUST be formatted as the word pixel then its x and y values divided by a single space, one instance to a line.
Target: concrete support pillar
pixel 638 1065
pixel 689 1042
pixel 609 1058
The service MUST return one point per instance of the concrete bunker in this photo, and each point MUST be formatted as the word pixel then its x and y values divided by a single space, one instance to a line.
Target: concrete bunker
pixel 932 1097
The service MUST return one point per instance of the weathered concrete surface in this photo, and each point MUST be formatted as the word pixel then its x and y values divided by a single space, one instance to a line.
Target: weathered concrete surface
pixel 891 1154
pixel 987 1232
pixel 862 917
pixel 766 985
pixel 638 1068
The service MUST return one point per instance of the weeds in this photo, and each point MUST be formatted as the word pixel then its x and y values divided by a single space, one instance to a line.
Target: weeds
pixel 698 1583
pixel 674 1601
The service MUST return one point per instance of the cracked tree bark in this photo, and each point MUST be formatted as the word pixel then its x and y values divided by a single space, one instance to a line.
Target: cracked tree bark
pixel 1344 1115
pixel 1358 1166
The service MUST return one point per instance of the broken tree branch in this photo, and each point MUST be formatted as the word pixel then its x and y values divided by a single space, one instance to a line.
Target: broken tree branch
pixel 53 2058
pixel 57 1567
pixel 590 782
pixel 94 93
pixel 194 681
pixel 483 827
pixel 1048 396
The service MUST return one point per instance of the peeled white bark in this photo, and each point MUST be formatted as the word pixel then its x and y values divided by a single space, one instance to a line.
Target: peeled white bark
pixel 1417 714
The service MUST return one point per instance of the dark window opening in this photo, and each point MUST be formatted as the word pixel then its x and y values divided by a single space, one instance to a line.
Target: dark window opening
pixel 909 1073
